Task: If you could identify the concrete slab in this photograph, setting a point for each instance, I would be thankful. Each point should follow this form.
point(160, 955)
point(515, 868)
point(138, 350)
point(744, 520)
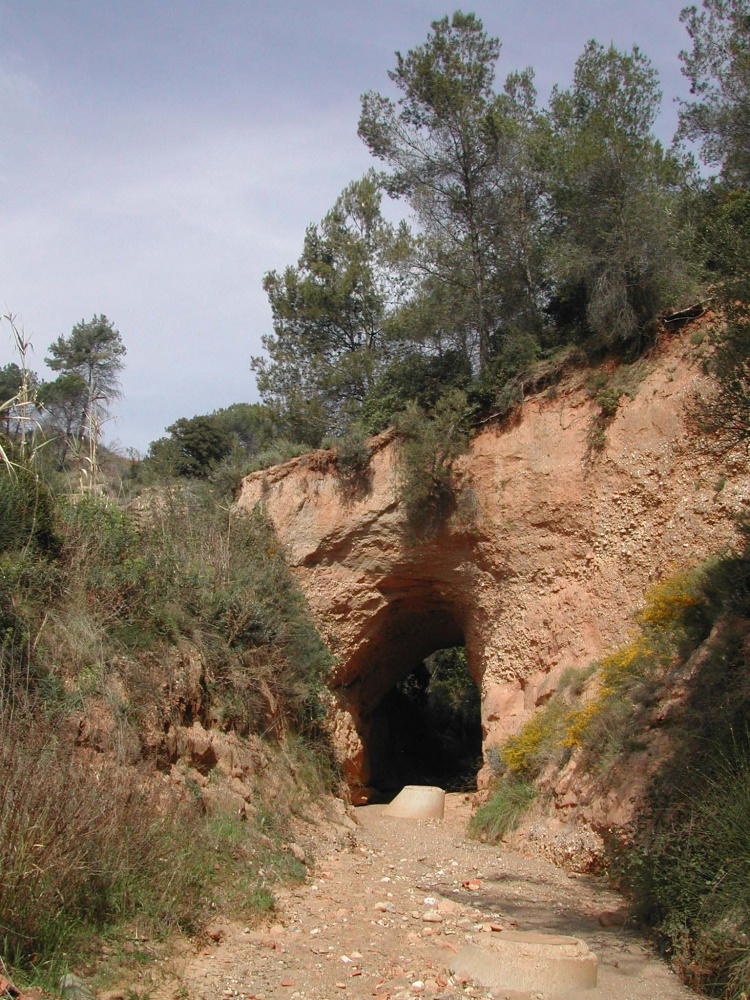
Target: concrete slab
point(417, 802)
point(518, 960)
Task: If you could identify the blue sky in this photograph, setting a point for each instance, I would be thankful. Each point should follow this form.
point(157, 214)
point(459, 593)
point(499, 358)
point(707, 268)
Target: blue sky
point(160, 156)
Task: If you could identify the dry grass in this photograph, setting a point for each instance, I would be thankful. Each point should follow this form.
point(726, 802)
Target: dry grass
point(82, 841)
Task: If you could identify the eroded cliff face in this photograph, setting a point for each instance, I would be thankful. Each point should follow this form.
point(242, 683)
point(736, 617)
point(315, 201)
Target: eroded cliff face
point(545, 574)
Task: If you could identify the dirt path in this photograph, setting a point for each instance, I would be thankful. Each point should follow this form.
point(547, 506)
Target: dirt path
point(383, 916)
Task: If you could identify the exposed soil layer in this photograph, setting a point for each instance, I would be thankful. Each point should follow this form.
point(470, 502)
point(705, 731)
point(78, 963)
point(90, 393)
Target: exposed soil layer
point(384, 913)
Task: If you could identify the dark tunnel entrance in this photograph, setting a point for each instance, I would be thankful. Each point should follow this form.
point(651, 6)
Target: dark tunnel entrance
point(427, 729)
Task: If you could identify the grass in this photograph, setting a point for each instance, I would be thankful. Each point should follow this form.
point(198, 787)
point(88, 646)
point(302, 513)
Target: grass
point(119, 623)
point(502, 812)
point(90, 849)
point(83, 842)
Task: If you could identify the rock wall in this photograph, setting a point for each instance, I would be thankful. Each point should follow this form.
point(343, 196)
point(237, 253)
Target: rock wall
point(545, 574)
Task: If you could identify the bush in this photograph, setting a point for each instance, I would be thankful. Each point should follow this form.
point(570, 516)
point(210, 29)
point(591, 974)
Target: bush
point(81, 844)
point(353, 454)
point(419, 379)
point(427, 452)
point(502, 812)
point(525, 755)
point(88, 846)
point(685, 860)
point(27, 514)
point(691, 876)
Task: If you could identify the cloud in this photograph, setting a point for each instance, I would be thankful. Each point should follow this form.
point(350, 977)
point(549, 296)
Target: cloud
point(158, 159)
point(168, 227)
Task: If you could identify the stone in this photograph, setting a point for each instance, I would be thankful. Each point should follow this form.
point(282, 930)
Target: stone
point(447, 906)
point(297, 852)
point(519, 960)
point(73, 988)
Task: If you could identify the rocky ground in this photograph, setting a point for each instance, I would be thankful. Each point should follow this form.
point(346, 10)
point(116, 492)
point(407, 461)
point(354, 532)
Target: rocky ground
point(384, 913)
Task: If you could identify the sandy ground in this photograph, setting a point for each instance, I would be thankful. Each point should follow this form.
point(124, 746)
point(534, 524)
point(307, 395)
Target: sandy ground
point(383, 915)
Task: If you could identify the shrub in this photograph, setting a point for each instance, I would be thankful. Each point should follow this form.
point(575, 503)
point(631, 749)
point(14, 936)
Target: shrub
point(607, 392)
point(667, 602)
point(81, 844)
point(427, 453)
point(685, 859)
point(502, 812)
point(691, 876)
point(88, 846)
point(27, 514)
point(417, 378)
point(525, 755)
point(353, 454)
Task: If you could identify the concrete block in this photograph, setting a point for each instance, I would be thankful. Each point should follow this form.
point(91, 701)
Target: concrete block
point(518, 960)
point(417, 802)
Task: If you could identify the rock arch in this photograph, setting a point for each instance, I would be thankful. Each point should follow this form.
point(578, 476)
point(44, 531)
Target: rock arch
point(418, 617)
point(546, 576)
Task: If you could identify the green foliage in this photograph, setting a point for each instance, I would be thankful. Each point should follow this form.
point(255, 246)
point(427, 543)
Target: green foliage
point(27, 514)
point(328, 315)
point(607, 391)
point(685, 859)
point(277, 452)
point(353, 454)
point(200, 443)
point(11, 380)
point(434, 725)
point(64, 402)
point(221, 446)
point(524, 756)
point(614, 195)
point(503, 811)
point(90, 846)
point(463, 157)
point(429, 447)
point(718, 68)
point(177, 565)
point(536, 229)
point(78, 848)
point(97, 600)
point(94, 351)
point(691, 876)
point(724, 413)
point(417, 378)
point(607, 398)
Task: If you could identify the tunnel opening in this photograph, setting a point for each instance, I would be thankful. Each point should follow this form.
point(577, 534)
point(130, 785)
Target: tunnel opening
point(427, 728)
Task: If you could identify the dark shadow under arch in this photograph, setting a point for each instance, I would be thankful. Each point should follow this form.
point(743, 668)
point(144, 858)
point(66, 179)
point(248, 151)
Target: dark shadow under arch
point(427, 729)
point(407, 730)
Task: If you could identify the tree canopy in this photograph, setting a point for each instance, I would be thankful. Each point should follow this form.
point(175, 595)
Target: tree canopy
point(455, 148)
point(329, 313)
point(532, 228)
point(718, 68)
point(613, 193)
point(93, 351)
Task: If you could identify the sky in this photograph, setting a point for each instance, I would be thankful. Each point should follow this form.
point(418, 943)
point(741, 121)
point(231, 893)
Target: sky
point(159, 156)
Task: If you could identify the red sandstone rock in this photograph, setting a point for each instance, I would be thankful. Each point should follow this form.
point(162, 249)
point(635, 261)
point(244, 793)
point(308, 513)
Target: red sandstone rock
point(561, 550)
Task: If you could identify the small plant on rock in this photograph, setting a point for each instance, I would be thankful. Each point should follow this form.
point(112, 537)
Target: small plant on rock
point(430, 446)
point(353, 454)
